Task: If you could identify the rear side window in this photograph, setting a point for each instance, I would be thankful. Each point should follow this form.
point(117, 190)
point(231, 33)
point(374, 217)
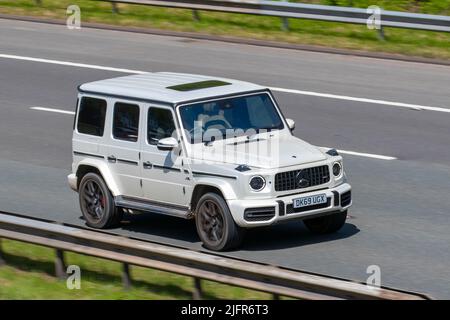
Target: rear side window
point(126, 122)
point(159, 125)
point(91, 117)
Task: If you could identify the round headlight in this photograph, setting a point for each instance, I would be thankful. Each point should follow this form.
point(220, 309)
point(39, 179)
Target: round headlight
point(257, 183)
point(337, 169)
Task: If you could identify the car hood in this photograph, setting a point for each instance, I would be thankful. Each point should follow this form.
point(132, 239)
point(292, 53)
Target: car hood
point(268, 152)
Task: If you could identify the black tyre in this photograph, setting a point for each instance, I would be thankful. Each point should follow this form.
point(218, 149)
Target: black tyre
point(215, 225)
point(97, 203)
point(326, 224)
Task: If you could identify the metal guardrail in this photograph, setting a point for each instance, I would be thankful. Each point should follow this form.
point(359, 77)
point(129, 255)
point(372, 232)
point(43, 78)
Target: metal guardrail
point(260, 277)
point(284, 9)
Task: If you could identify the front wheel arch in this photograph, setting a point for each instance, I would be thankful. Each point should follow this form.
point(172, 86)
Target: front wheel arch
point(200, 190)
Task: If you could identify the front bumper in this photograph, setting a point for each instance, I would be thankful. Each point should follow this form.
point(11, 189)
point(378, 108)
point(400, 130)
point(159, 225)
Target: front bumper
point(257, 213)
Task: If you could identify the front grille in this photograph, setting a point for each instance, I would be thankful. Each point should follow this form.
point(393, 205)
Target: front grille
point(346, 198)
point(303, 178)
point(290, 208)
point(259, 214)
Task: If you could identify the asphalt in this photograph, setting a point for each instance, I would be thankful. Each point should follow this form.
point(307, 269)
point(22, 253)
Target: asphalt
point(235, 40)
point(400, 218)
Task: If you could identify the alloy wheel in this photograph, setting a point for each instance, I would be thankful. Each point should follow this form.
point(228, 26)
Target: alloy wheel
point(211, 222)
point(94, 200)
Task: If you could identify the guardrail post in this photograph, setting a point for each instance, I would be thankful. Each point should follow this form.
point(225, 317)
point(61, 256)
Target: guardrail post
point(126, 277)
point(276, 296)
point(115, 8)
point(38, 2)
point(197, 293)
point(285, 21)
point(60, 267)
point(2, 258)
point(196, 15)
point(380, 34)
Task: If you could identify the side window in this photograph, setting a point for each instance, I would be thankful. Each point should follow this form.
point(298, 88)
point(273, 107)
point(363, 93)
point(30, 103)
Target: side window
point(160, 125)
point(91, 117)
point(126, 122)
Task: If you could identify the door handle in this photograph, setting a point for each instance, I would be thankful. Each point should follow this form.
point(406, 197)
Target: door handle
point(112, 159)
point(147, 165)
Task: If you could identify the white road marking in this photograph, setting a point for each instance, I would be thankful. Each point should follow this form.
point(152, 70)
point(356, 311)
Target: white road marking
point(353, 153)
point(383, 102)
point(294, 91)
point(53, 110)
point(367, 155)
point(71, 64)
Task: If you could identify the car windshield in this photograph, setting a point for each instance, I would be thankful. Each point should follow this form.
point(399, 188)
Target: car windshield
point(230, 117)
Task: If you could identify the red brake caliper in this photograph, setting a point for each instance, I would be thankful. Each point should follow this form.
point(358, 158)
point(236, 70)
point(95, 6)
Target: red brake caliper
point(103, 201)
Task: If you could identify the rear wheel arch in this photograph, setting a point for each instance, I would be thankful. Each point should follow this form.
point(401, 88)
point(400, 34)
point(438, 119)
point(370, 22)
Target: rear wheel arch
point(99, 169)
point(84, 169)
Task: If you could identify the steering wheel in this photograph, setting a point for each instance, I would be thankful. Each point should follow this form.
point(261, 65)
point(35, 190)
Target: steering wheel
point(191, 132)
point(221, 122)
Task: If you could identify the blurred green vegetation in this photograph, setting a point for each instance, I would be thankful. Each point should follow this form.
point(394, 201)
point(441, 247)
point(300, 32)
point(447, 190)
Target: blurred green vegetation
point(339, 35)
point(441, 7)
point(29, 269)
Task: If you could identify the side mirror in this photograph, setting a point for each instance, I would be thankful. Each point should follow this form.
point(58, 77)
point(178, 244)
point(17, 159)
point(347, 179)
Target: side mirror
point(167, 144)
point(291, 124)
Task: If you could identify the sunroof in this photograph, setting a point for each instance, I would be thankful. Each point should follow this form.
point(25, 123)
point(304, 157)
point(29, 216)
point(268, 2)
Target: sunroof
point(199, 85)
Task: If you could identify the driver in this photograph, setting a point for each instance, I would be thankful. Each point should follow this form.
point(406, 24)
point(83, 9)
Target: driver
point(213, 112)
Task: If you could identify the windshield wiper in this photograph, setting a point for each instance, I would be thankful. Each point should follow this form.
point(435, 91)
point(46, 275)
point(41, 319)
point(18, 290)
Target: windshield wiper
point(268, 128)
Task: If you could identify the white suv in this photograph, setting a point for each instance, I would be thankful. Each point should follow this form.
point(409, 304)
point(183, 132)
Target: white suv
point(213, 149)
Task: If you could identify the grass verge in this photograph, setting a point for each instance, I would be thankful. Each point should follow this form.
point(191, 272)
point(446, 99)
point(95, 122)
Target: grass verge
point(29, 270)
point(338, 35)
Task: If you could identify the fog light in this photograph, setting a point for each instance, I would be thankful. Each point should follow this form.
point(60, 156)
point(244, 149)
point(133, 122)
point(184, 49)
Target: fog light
point(337, 169)
point(257, 183)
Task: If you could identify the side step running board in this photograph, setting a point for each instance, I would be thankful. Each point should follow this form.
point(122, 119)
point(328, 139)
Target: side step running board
point(150, 206)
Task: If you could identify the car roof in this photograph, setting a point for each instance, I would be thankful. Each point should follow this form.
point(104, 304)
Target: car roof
point(167, 87)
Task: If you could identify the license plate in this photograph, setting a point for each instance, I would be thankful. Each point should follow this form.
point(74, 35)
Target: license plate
point(310, 200)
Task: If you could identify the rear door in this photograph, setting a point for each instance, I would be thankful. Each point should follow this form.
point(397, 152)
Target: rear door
point(124, 148)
